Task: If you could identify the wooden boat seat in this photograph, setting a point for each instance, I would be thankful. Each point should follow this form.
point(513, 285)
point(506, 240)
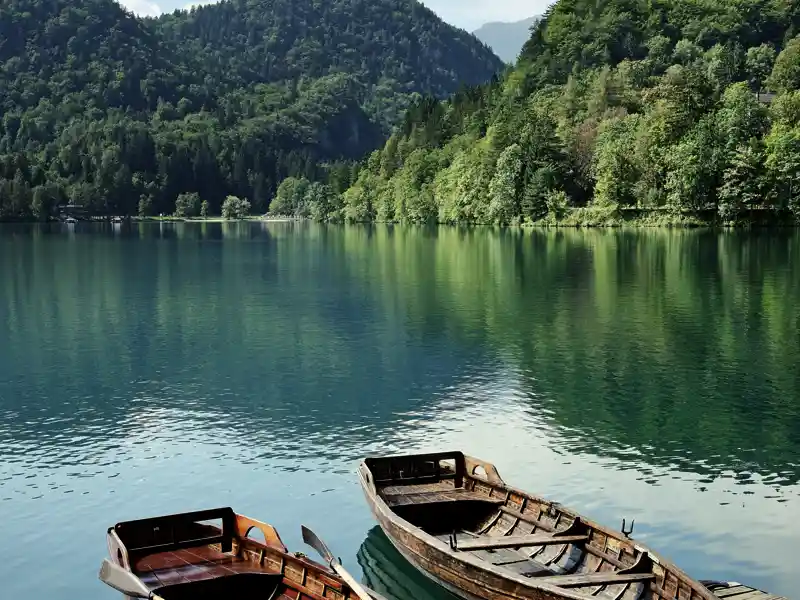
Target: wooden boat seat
point(519, 541)
point(452, 495)
point(589, 579)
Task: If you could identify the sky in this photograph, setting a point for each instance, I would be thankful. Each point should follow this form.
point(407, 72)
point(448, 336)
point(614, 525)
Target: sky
point(467, 14)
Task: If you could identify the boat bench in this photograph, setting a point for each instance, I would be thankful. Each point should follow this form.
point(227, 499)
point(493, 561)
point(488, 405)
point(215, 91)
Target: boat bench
point(519, 541)
point(589, 579)
point(454, 495)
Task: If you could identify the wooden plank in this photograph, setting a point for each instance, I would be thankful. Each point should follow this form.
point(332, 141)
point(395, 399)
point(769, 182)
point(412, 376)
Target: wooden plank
point(415, 480)
point(732, 591)
point(752, 594)
point(519, 541)
point(432, 497)
point(607, 578)
point(527, 518)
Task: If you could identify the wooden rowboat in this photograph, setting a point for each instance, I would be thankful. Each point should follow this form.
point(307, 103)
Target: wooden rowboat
point(216, 554)
point(456, 520)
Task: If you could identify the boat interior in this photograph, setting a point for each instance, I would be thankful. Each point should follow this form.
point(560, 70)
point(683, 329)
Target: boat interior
point(464, 503)
point(217, 554)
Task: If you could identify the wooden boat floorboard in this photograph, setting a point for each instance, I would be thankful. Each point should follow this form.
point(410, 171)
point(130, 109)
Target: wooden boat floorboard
point(182, 566)
point(518, 541)
point(511, 560)
point(607, 578)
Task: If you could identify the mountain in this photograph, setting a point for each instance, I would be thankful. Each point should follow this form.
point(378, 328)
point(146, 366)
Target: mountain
point(506, 38)
point(119, 114)
point(617, 109)
point(391, 47)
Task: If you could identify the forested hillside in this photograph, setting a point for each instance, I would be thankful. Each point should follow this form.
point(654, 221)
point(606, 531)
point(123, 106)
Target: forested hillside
point(616, 107)
point(121, 115)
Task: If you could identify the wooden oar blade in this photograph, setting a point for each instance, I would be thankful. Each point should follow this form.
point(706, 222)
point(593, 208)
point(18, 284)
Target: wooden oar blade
point(312, 539)
point(122, 580)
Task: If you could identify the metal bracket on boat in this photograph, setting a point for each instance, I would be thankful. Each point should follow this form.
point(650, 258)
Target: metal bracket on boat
point(453, 541)
point(627, 533)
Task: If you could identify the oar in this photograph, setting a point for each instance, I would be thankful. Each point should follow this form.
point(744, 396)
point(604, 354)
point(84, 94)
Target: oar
point(312, 539)
point(124, 581)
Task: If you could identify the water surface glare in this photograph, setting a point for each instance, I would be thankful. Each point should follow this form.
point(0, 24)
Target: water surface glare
point(154, 368)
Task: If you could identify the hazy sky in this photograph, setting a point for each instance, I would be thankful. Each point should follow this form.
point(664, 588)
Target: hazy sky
point(469, 14)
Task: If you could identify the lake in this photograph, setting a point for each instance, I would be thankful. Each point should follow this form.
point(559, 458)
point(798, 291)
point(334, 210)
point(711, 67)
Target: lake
point(154, 368)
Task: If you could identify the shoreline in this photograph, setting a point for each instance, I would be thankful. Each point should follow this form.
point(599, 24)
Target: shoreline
point(574, 218)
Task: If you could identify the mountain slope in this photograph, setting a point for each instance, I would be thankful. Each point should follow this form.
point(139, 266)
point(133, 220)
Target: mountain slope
point(121, 114)
point(248, 41)
point(506, 38)
point(616, 108)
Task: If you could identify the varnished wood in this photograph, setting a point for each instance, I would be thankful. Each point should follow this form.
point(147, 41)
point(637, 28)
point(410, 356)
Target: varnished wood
point(486, 540)
point(172, 556)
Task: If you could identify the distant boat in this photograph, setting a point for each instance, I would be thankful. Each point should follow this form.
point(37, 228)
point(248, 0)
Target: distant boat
point(455, 519)
point(183, 556)
point(116, 220)
point(71, 220)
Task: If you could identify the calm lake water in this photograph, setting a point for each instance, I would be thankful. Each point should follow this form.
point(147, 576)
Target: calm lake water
point(158, 368)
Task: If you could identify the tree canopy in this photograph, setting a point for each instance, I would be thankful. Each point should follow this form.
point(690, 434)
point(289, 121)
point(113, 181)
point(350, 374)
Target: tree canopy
point(121, 115)
point(679, 108)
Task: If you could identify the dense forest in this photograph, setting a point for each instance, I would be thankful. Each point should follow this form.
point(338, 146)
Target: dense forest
point(120, 115)
point(669, 110)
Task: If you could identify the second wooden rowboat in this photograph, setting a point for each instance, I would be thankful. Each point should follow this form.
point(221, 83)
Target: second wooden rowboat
point(455, 519)
point(218, 554)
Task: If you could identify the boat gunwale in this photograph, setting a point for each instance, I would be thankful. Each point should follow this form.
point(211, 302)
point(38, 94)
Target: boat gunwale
point(471, 463)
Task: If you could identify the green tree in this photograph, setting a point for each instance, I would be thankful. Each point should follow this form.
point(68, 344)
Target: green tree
point(324, 204)
point(205, 209)
point(741, 182)
point(759, 62)
point(42, 203)
point(686, 52)
point(615, 169)
point(187, 205)
point(783, 167)
point(145, 206)
point(504, 188)
point(235, 208)
point(785, 74)
point(290, 199)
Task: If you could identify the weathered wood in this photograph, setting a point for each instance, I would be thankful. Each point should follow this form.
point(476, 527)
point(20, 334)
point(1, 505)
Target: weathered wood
point(733, 591)
point(740, 591)
point(454, 495)
point(605, 578)
point(527, 518)
point(519, 541)
point(415, 480)
point(177, 550)
point(750, 595)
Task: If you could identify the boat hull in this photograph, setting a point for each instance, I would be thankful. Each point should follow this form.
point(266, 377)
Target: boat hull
point(455, 520)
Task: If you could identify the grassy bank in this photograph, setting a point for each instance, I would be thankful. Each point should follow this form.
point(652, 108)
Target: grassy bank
point(663, 217)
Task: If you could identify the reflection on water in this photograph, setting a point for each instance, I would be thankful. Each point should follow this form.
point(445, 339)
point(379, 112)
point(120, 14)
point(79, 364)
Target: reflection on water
point(155, 368)
point(388, 573)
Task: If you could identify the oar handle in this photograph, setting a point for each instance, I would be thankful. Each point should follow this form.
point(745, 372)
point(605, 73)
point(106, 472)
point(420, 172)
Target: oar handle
point(352, 583)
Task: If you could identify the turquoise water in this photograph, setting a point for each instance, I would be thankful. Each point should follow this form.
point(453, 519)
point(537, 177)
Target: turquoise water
point(157, 368)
